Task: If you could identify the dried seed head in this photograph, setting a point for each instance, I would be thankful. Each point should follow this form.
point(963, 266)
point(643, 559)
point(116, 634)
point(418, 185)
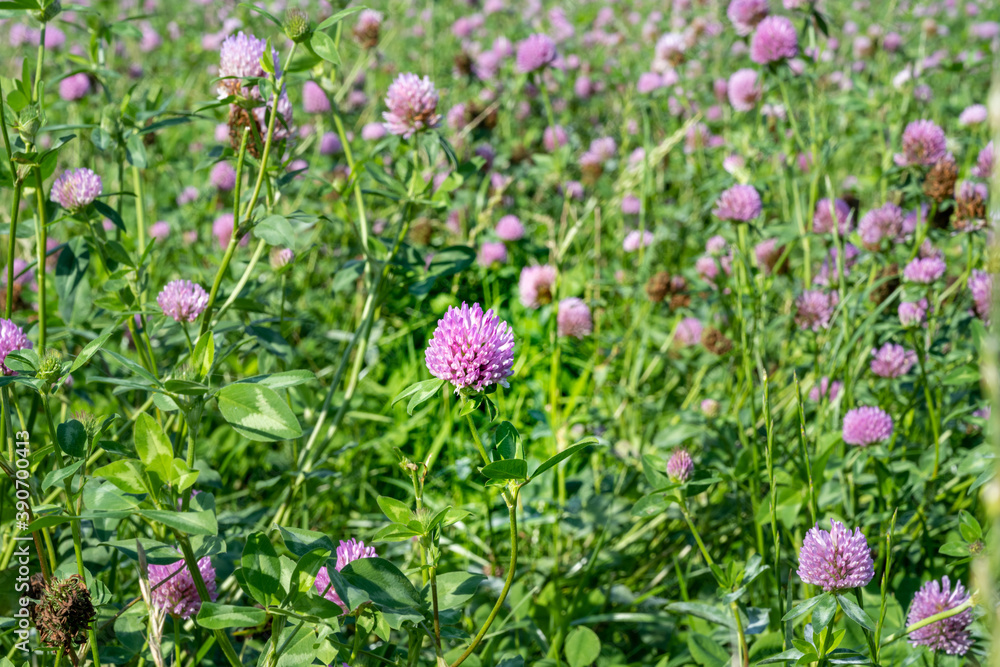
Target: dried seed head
point(63, 613)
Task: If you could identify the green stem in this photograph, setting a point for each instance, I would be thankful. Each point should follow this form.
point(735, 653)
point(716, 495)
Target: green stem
point(872, 648)
point(11, 240)
point(251, 265)
point(434, 602)
point(511, 499)
point(40, 241)
point(233, 239)
point(743, 654)
point(177, 642)
point(948, 613)
point(697, 538)
point(35, 92)
point(477, 439)
point(192, 564)
point(140, 215)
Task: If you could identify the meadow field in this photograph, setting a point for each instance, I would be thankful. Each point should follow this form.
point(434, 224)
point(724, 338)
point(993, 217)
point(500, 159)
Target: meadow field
point(499, 333)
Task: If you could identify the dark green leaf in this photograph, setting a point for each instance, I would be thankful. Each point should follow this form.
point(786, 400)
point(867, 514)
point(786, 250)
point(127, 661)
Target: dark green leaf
point(383, 582)
point(72, 438)
point(258, 413)
point(220, 616)
point(509, 469)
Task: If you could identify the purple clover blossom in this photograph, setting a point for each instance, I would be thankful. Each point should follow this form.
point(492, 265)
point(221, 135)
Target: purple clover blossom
point(75, 189)
point(680, 466)
point(984, 162)
point(744, 89)
point(973, 115)
point(950, 635)
point(924, 270)
point(223, 176)
point(535, 52)
point(491, 253)
point(740, 203)
point(412, 105)
point(814, 309)
point(554, 137)
point(636, 239)
point(74, 87)
point(746, 14)
point(347, 552)
point(330, 144)
point(314, 99)
point(825, 388)
point(471, 349)
point(923, 144)
point(574, 318)
point(774, 40)
point(178, 595)
point(509, 228)
point(536, 285)
point(981, 285)
point(866, 425)
point(892, 361)
point(239, 58)
point(631, 205)
point(823, 219)
point(885, 222)
point(912, 313)
point(836, 559)
point(11, 338)
point(688, 332)
point(182, 300)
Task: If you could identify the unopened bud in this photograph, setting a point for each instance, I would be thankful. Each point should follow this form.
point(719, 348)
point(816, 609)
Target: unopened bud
point(51, 11)
point(28, 122)
point(297, 25)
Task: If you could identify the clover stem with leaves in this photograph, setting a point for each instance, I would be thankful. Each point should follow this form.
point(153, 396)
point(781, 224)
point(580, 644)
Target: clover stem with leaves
point(241, 220)
point(510, 497)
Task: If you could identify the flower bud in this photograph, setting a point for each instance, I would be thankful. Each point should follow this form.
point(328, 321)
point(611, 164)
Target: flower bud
point(28, 122)
point(297, 25)
point(49, 12)
point(50, 367)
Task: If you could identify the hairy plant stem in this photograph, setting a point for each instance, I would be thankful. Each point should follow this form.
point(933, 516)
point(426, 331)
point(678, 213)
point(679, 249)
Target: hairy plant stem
point(192, 564)
point(477, 439)
point(40, 242)
point(11, 242)
point(948, 613)
point(238, 219)
point(234, 237)
point(510, 497)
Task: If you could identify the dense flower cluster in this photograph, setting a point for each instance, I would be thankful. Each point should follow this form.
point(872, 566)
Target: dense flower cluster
point(75, 189)
point(471, 349)
point(835, 559)
point(574, 318)
point(891, 360)
point(412, 105)
point(11, 338)
point(740, 203)
point(347, 552)
point(535, 52)
point(680, 466)
point(173, 587)
point(536, 285)
point(182, 300)
point(950, 635)
point(866, 426)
